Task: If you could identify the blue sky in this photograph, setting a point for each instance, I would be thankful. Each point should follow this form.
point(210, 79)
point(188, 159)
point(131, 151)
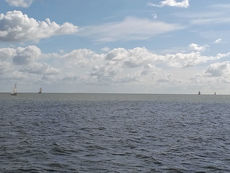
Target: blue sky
point(127, 46)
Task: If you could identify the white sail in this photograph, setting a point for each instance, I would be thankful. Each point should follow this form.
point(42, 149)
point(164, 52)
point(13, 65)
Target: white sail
point(15, 89)
point(14, 92)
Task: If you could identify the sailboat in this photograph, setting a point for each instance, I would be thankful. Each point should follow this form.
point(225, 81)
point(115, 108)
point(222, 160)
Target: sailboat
point(14, 92)
point(40, 91)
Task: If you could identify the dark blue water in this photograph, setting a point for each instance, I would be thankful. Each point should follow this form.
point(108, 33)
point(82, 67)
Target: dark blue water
point(114, 133)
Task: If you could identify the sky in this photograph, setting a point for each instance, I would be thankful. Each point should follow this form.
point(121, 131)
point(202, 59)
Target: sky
point(122, 46)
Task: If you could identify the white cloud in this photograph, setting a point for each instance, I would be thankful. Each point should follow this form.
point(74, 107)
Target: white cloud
point(172, 3)
point(20, 3)
point(205, 17)
point(120, 66)
point(27, 55)
point(196, 47)
point(138, 64)
point(220, 69)
point(6, 53)
point(18, 27)
point(219, 40)
point(40, 69)
point(130, 28)
point(4, 68)
point(182, 60)
point(81, 57)
point(24, 62)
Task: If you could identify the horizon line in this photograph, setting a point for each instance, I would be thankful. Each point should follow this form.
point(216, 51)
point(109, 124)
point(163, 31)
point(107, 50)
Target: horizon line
point(118, 93)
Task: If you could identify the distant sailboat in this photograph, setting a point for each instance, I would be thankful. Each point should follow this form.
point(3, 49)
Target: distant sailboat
point(40, 91)
point(14, 92)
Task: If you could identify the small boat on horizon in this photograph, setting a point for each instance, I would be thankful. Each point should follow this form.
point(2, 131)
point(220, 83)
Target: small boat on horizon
point(40, 91)
point(14, 92)
point(199, 93)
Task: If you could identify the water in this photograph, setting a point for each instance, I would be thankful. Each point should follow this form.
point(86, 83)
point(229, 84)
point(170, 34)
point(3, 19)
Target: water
point(114, 133)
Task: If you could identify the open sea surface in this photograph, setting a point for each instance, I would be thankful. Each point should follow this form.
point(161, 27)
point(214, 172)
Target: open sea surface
point(103, 133)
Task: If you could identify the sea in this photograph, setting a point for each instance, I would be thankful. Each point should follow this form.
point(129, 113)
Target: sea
point(117, 133)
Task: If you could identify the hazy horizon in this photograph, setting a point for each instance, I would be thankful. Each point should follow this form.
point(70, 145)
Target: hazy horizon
point(115, 93)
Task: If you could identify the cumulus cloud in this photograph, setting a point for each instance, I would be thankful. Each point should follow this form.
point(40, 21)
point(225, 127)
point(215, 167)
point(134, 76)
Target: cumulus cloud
point(138, 64)
point(40, 69)
point(20, 3)
point(24, 62)
point(6, 53)
point(172, 3)
point(182, 60)
point(142, 29)
point(115, 66)
point(219, 69)
point(24, 56)
point(18, 27)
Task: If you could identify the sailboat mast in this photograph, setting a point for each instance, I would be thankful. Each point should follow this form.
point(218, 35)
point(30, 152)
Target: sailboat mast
point(15, 88)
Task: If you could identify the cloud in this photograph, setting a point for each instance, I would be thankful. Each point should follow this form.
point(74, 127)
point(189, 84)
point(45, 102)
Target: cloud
point(219, 40)
point(81, 57)
point(20, 3)
point(222, 55)
point(18, 27)
point(172, 3)
point(183, 60)
point(24, 63)
point(205, 17)
point(142, 29)
point(118, 66)
point(40, 69)
point(130, 65)
point(210, 20)
point(4, 68)
point(24, 56)
point(196, 47)
point(114, 66)
point(219, 69)
point(6, 53)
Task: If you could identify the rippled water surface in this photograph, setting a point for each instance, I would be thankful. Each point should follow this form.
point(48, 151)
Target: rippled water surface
point(114, 133)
